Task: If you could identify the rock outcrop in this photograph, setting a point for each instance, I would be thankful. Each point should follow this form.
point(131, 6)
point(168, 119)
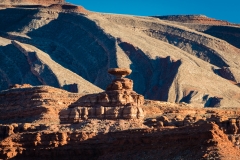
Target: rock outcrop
point(32, 125)
point(204, 141)
point(119, 101)
point(199, 19)
point(27, 104)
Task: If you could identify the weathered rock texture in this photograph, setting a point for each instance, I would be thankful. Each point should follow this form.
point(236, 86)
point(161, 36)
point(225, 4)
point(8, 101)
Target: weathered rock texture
point(67, 47)
point(175, 131)
point(34, 104)
point(200, 142)
point(119, 101)
point(199, 19)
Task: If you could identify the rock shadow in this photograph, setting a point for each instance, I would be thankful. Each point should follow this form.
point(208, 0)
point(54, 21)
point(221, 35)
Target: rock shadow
point(89, 52)
point(17, 18)
point(213, 102)
point(188, 98)
point(192, 47)
point(225, 73)
point(14, 68)
point(227, 33)
point(128, 144)
point(71, 87)
point(152, 77)
point(23, 115)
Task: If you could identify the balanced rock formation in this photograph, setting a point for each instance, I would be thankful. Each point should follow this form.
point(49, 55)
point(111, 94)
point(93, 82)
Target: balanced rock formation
point(119, 101)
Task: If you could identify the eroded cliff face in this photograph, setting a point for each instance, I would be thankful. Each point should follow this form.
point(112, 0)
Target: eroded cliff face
point(66, 46)
point(32, 127)
point(199, 142)
point(34, 104)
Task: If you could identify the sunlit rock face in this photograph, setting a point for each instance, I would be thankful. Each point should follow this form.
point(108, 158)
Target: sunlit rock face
point(119, 101)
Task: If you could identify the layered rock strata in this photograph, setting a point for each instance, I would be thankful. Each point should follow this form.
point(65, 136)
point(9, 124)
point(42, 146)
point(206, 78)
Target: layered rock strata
point(29, 104)
point(190, 142)
point(201, 19)
point(194, 132)
point(118, 101)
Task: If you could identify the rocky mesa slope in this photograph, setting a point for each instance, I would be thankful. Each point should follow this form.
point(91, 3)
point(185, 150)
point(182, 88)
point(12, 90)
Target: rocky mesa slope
point(173, 59)
point(33, 126)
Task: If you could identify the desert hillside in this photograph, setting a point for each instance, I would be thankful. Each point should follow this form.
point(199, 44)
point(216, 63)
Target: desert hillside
point(76, 84)
point(191, 59)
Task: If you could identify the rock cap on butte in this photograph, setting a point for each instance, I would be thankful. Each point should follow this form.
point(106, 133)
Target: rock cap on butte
point(120, 72)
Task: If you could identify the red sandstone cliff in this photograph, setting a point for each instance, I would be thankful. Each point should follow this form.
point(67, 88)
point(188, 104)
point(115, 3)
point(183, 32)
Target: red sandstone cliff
point(31, 128)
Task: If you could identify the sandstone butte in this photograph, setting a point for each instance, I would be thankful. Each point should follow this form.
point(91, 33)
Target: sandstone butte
point(64, 94)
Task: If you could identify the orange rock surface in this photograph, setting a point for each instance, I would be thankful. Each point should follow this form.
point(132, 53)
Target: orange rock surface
point(31, 128)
